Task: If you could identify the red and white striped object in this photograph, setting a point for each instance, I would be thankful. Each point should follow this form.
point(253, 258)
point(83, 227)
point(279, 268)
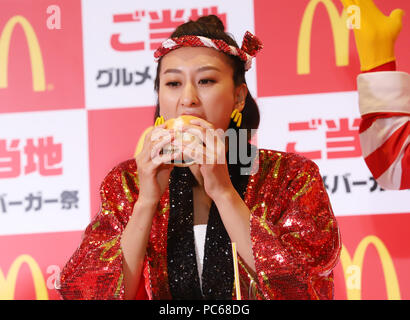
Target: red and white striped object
point(251, 45)
point(384, 101)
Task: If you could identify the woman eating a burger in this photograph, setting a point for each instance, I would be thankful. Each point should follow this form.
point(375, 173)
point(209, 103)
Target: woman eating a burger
point(169, 217)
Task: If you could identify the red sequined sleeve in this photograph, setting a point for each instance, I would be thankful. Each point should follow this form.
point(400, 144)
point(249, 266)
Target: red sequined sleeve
point(296, 241)
point(95, 269)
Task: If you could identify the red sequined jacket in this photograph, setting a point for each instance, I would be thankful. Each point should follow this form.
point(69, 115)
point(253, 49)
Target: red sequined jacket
point(295, 236)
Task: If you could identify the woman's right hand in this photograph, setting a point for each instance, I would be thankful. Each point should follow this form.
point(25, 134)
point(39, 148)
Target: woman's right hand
point(153, 167)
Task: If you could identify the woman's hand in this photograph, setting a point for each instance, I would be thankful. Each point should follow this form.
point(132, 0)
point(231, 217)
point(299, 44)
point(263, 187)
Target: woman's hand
point(153, 167)
point(376, 34)
point(210, 156)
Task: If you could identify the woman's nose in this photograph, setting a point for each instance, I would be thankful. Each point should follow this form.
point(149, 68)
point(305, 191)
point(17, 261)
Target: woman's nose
point(189, 95)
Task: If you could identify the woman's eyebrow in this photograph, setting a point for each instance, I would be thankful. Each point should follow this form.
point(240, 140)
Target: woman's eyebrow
point(206, 68)
point(201, 69)
point(172, 71)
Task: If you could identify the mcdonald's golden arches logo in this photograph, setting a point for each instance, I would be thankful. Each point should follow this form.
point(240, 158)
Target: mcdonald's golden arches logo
point(36, 59)
point(340, 35)
point(352, 269)
point(8, 281)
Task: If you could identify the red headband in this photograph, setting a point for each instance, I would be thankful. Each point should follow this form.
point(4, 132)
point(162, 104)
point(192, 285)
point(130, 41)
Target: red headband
point(251, 45)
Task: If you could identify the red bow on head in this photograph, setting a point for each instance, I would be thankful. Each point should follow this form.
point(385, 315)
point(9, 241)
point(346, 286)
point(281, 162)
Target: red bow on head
point(251, 44)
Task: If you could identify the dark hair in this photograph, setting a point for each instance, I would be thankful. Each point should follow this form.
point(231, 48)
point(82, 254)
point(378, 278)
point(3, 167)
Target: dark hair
point(212, 27)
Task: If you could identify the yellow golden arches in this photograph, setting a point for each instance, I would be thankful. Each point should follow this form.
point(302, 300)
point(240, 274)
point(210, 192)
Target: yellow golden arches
point(159, 120)
point(340, 35)
point(8, 282)
point(125, 184)
point(262, 220)
point(237, 117)
point(305, 188)
point(37, 65)
point(119, 283)
point(107, 246)
point(352, 269)
point(277, 165)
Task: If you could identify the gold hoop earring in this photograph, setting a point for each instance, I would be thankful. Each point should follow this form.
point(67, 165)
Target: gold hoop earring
point(159, 120)
point(237, 117)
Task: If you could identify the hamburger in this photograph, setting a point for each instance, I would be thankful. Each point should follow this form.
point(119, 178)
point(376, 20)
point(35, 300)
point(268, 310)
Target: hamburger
point(181, 139)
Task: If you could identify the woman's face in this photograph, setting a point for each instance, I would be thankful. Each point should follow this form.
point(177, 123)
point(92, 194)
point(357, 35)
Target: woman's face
point(199, 81)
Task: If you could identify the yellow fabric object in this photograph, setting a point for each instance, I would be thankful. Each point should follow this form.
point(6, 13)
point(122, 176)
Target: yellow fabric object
point(376, 34)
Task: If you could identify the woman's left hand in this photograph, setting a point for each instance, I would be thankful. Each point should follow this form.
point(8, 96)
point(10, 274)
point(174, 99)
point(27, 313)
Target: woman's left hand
point(210, 155)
